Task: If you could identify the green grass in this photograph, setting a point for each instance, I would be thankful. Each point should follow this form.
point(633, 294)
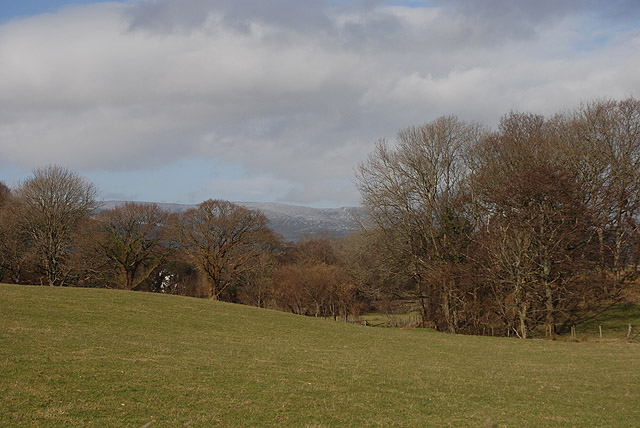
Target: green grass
point(614, 323)
point(87, 357)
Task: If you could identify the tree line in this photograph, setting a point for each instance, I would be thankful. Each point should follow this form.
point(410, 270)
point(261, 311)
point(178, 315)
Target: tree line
point(515, 231)
point(52, 232)
point(526, 227)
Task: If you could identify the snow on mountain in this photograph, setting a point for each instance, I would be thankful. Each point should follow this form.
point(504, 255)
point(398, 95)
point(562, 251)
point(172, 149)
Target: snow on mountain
point(290, 221)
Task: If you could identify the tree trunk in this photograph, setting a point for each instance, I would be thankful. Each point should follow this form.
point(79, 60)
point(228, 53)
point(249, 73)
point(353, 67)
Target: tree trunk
point(602, 263)
point(550, 311)
point(616, 257)
point(523, 319)
point(423, 313)
point(449, 313)
point(636, 256)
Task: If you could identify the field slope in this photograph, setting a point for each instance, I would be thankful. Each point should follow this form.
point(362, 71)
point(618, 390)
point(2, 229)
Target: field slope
point(87, 357)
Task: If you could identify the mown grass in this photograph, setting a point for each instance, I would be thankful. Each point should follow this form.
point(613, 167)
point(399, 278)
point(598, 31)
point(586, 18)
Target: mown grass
point(87, 357)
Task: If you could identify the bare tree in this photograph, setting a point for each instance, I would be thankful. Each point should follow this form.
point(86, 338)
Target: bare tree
point(363, 254)
point(314, 249)
point(16, 248)
point(534, 244)
point(5, 193)
point(316, 289)
point(134, 239)
point(408, 191)
point(223, 239)
point(604, 142)
point(532, 220)
point(86, 264)
point(52, 203)
point(255, 283)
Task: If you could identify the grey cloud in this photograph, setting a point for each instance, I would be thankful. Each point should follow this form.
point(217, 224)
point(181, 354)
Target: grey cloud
point(147, 83)
point(497, 21)
point(516, 10)
point(288, 19)
point(342, 193)
point(167, 15)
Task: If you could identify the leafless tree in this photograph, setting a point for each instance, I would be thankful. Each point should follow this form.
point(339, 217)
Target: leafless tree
point(223, 239)
point(134, 240)
point(364, 255)
point(532, 222)
point(5, 193)
point(408, 191)
point(533, 245)
point(16, 249)
point(316, 289)
point(255, 282)
point(605, 146)
point(52, 203)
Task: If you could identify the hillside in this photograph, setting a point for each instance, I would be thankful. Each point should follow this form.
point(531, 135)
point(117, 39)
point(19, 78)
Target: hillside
point(88, 357)
point(289, 221)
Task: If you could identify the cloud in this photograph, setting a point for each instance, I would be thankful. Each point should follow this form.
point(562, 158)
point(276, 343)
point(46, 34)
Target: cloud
point(521, 18)
point(296, 93)
point(240, 15)
point(320, 193)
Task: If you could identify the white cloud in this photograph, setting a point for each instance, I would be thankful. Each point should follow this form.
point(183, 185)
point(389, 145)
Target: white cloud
point(295, 92)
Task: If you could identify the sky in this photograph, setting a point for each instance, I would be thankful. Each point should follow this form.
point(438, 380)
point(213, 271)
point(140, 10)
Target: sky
point(278, 101)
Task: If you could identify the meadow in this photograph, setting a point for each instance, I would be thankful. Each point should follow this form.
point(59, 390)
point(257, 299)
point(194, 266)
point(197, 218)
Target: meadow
point(74, 357)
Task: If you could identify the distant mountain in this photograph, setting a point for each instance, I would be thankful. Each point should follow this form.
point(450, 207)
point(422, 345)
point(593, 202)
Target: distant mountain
point(290, 221)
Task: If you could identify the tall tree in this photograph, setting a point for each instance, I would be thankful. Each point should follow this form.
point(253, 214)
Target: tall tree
point(255, 283)
point(604, 143)
point(223, 239)
point(408, 191)
point(52, 203)
point(16, 249)
point(5, 192)
point(379, 280)
point(134, 239)
point(532, 217)
point(534, 243)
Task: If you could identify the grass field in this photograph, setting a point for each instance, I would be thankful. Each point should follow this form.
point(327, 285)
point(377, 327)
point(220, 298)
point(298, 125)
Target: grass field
point(87, 357)
point(399, 319)
point(614, 324)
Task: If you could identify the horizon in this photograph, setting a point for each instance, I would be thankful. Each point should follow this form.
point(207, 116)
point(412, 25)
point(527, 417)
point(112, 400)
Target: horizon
point(116, 201)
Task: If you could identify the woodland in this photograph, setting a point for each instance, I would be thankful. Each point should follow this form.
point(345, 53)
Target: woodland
point(518, 231)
